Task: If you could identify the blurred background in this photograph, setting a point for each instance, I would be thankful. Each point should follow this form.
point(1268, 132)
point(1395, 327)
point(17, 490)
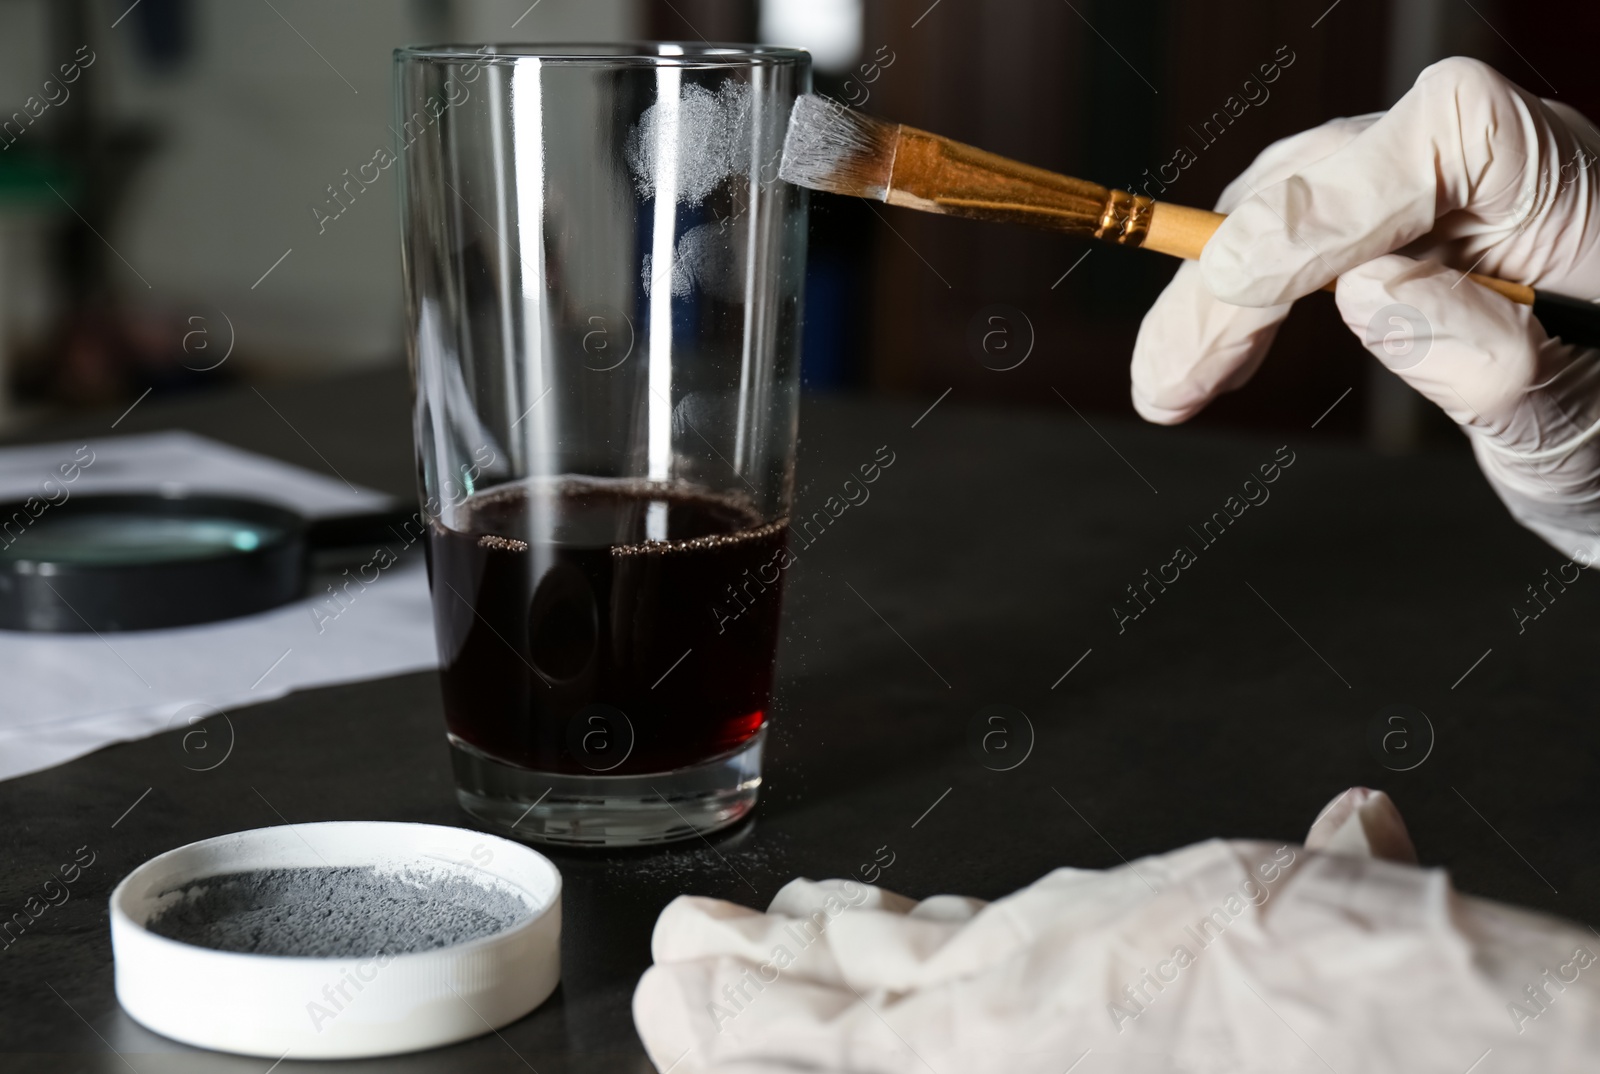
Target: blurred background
point(177, 208)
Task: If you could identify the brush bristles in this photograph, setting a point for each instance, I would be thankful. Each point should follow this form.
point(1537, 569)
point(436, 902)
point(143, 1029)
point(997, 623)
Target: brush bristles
point(837, 149)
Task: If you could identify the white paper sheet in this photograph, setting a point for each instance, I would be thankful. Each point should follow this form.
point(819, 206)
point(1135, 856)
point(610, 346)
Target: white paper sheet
point(69, 694)
point(178, 462)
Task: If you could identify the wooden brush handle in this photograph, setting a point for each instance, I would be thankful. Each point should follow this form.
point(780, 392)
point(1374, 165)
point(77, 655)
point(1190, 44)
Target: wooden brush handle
point(1182, 232)
point(933, 174)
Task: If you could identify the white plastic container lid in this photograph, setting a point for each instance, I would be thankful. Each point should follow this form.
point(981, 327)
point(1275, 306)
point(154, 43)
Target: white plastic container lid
point(337, 1008)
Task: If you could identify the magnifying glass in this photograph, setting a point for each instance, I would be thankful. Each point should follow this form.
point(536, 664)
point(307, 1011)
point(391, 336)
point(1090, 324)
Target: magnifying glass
point(144, 561)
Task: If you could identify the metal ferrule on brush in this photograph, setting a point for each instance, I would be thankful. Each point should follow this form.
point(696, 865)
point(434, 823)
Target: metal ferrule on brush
point(936, 175)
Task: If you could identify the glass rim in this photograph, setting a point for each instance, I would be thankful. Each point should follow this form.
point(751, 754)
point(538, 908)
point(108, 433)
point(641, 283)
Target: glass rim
point(608, 53)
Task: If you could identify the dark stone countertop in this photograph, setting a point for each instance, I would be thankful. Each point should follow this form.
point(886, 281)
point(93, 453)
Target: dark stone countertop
point(983, 567)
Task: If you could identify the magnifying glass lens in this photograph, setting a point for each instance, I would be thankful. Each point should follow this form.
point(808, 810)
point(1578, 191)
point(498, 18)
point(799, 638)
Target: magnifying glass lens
point(116, 539)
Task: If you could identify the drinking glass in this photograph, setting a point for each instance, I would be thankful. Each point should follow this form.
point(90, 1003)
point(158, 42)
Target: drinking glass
point(603, 276)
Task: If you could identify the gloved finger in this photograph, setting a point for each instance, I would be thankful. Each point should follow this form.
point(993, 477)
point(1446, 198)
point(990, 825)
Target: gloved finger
point(800, 897)
point(1469, 351)
point(830, 942)
point(1531, 403)
point(1463, 136)
point(693, 926)
point(1191, 347)
point(835, 932)
point(714, 1017)
point(1289, 155)
point(839, 943)
point(1362, 822)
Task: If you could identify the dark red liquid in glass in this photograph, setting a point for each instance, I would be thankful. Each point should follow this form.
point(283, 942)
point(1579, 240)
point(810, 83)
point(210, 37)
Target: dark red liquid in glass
point(555, 613)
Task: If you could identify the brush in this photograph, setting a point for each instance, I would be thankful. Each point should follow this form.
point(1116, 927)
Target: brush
point(842, 151)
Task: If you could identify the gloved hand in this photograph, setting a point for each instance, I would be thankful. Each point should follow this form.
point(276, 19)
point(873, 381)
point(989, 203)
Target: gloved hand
point(1466, 169)
point(1223, 956)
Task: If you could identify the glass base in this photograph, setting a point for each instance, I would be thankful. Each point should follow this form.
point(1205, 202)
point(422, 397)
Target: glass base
point(610, 811)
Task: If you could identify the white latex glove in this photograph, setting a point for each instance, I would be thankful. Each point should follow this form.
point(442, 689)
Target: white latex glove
point(1293, 960)
point(1468, 169)
point(1364, 823)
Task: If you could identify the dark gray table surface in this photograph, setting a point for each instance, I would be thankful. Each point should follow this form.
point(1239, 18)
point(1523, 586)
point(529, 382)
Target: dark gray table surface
point(983, 567)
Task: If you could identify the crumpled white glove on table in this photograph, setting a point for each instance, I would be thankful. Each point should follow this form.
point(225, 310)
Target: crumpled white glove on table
point(1468, 169)
point(1222, 956)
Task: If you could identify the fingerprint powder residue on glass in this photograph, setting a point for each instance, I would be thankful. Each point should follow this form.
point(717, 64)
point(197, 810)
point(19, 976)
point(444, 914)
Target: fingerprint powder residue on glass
point(708, 131)
point(702, 258)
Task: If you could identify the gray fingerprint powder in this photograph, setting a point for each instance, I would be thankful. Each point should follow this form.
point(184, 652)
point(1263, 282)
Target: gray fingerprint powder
point(704, 258)
point(336, 912)
point(705, 139)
